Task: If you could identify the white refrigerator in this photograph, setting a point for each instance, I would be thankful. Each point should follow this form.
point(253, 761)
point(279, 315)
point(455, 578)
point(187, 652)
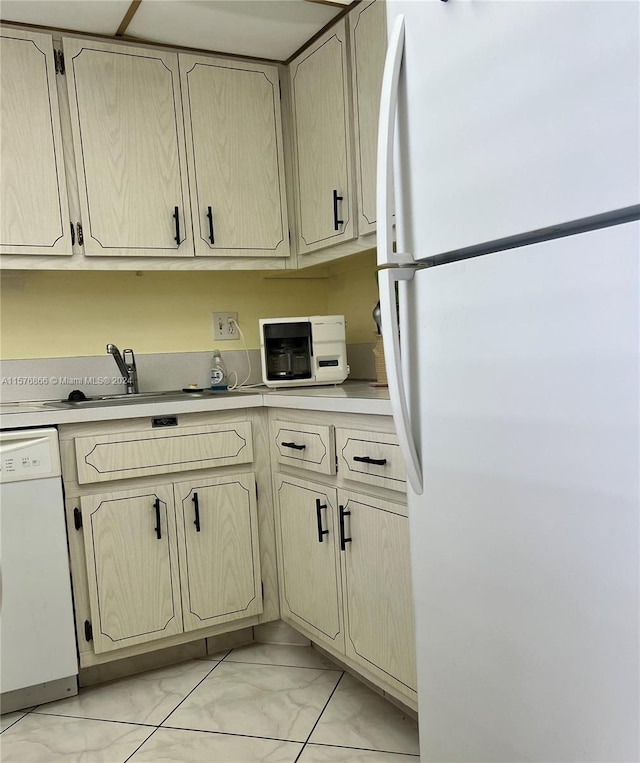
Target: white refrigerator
point(509, 146)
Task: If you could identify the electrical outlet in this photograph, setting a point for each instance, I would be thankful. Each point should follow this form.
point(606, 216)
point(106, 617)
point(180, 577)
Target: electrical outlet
point(223, 326)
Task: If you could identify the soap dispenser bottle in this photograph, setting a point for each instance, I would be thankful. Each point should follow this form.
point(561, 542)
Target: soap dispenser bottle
point(218, 372)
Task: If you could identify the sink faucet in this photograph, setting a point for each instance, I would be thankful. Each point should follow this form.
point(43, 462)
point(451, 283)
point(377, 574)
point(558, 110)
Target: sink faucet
point(127, 366)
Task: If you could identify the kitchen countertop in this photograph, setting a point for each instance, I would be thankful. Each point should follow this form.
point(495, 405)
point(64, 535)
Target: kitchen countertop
point(350, 397)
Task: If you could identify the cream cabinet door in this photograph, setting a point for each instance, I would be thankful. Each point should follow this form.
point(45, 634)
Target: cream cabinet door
point(132, 566)
point(368, 36)
point(235, 158)
point(34, 214)
point(376, 579)
point(310, 590)
point(129, 147)
point(322, 142)
point(219, 555)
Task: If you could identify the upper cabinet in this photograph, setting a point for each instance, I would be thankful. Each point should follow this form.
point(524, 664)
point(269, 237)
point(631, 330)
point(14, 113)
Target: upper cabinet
point(368, 37)
point(129, 149)
point(34, 216)
point(170, 155)
point(323, 174)
point(235, 157)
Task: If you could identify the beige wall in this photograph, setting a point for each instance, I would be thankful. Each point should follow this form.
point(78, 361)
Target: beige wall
point(60, 314)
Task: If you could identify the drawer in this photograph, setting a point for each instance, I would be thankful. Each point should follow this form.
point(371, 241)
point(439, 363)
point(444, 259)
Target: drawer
point(370, 457)
point(137, 454)
point(304, 445)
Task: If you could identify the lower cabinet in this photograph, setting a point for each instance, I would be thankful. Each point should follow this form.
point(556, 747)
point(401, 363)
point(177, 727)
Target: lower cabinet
point(310, 590)
point(345, 576)
point(171, 558)
point(132, 566)
point(376, 580)
point(218, 549)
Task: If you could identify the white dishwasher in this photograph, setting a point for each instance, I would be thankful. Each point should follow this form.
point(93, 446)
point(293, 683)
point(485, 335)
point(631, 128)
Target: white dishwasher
point(38, 658)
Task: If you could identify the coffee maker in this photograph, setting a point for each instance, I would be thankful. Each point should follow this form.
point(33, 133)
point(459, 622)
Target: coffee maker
point(303, 351)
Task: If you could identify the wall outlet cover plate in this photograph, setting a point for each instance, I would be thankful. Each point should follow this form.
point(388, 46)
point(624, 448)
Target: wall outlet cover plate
point(223, 326)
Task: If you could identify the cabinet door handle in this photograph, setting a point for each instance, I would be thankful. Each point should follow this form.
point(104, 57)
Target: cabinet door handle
point(210, 219)
point(292, 445)
point(196, 509)
point(80, 234)
point(336, 222)
point(158, 527)
point(176, 217)
point(73, 234)
point(343, 540)
point(321, 532)
point(369, 460)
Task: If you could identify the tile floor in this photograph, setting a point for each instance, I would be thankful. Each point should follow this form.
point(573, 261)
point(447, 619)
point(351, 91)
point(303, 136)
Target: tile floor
point(261, 702)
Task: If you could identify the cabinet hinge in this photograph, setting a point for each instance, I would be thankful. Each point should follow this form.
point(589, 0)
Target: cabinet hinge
point(77, 518)
point(58, 57)
point(88, 631)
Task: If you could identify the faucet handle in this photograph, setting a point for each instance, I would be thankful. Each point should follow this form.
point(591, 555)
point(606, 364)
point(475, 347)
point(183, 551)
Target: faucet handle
point(132, 372)
point(129, 358)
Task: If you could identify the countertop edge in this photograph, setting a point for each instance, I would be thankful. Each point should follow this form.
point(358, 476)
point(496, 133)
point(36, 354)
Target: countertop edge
point(349, 402)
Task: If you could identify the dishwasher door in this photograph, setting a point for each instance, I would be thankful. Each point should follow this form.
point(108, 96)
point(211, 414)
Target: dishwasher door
point(38, 658)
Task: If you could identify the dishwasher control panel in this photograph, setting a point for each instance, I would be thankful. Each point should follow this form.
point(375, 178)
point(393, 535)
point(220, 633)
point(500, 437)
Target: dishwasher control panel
point(26, 455)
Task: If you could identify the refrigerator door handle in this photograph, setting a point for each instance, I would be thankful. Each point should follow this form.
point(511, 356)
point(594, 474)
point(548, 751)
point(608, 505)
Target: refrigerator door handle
point(387, 280)
point(386, 133)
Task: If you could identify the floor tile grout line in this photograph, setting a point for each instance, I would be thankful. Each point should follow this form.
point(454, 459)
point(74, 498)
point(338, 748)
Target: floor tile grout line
point(144, 741)
point(17, 720)
point(99, 720)
point(188, 694)
point(131, 723)
point(320, 716)
point(364, 749)
point(232, 734)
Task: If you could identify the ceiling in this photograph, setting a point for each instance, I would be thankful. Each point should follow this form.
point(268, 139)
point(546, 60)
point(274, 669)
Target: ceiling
point(272, 29)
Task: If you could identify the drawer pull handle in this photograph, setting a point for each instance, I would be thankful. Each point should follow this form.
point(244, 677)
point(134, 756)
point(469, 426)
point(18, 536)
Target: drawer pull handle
point(196, 508)
point(158, 527)
point(343, 540)
point(369, 460)
point(210, 218)
point(292, 445)
point(321, 532)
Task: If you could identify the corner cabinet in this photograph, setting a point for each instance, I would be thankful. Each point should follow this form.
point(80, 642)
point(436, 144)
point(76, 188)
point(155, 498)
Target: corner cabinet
point(322, 137)
point(235, 157)
point(34, 215)
point(344, 564)
point(310, 591)
point(129, 149)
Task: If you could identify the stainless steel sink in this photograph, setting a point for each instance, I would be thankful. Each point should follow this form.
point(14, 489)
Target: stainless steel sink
point(138, 398)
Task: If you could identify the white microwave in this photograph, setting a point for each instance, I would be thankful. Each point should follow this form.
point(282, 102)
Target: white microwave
point(303, 351)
